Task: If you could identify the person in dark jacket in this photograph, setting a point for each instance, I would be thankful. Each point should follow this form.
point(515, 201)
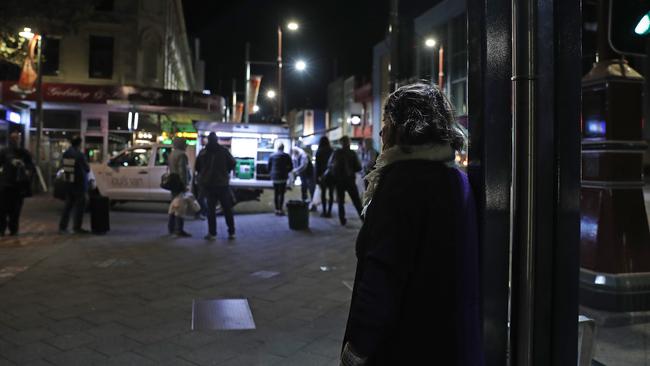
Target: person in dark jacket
point(213, 169)
point(323, 155)
point(417, 251)
point(16, 172)
point(344, 165)
point(280, 166)
point(75, 172)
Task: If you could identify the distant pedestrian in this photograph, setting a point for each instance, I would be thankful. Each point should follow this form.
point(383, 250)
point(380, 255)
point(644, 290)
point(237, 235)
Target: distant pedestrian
point(326, 185)
point(303, 168)
point(280, 166)
point(75, 173)
point(213, 169)
point(16, 172)
point(344, 165)
point(368, 156)
point(179, 165)
point(417, 251)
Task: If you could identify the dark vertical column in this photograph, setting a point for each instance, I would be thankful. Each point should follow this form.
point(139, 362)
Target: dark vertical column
point(489, 97)
point(546, 183)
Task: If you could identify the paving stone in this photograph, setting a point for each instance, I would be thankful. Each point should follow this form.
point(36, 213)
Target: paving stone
point(30, 352)
point(24, 337)
point(305, 358)
point(78, 356)
point(129, 359)
point(69, 341)
point(161, 351)
point(113, 344)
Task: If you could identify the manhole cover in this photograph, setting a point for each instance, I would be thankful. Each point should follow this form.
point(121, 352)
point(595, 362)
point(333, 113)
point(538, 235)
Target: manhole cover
point(223, 314)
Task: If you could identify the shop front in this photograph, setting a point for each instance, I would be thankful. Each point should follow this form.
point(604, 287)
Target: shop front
point(109, 119)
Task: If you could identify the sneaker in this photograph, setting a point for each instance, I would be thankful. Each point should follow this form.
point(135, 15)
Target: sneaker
point(182, 234)
point(81, 231)
point(210, 237)
point(343, 222)
point(231, 236)
point(64, 231)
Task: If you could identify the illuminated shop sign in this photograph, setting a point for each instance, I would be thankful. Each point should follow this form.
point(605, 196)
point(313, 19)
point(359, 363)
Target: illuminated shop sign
point(13, 117)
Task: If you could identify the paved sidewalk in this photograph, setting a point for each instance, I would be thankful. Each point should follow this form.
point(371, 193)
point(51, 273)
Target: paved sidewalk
point(126, 298)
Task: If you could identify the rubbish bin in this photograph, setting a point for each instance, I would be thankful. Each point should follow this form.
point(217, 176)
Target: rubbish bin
point(298, 213)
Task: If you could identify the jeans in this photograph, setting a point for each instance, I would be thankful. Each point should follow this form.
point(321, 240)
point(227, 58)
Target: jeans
point(74, 200)
point(278, 194)
point(349, 186)
point(224, 196)
point(327, 205)
point(11, 203)
point(307, 186)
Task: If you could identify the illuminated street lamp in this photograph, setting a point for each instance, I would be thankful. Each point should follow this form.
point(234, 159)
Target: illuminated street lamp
point(430, 42)
point(293, 26)
point(301, 65)
point(270, 94)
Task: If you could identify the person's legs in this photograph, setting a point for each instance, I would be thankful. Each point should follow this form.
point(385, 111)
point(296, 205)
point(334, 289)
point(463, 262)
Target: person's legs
point(340, 196)
point(276, 196)
point(4, 210)
point(67, 209)
point(354, 196)
point(323, 197)
point(14, 213)
point(304, 188)
point(79, 207)
point(331, 201)
point(225, 198)
point(171, 224)
point(282, 188)
point(212, 212)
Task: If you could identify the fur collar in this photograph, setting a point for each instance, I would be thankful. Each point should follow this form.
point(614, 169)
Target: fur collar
point(435, 152)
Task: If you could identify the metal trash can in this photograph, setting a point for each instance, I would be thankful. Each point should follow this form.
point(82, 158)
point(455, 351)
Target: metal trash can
point(298, 214)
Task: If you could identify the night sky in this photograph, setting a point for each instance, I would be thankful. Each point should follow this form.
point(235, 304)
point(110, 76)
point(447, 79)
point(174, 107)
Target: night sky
point(335, 38)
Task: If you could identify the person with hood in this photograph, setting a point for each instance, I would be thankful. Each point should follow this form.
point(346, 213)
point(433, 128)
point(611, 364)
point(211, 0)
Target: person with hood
point(16, 172)
point(303, 168)
point(417, 251)
point(179, 165)
point(75, 172)
point(323, 155)
point(280, 166)
point(344, 166)
point(212, 170)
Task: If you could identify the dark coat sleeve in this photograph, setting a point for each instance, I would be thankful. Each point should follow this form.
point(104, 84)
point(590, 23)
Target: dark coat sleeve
point(384, 268)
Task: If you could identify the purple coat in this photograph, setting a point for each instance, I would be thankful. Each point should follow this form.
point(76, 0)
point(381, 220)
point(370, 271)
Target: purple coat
point(416, 290)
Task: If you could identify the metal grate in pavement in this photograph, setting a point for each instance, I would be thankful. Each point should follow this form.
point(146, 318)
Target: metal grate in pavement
point(265, 274)
point(222, 314)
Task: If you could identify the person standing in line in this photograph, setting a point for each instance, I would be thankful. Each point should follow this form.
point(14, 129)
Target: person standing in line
point(178, 165)
point(75, 172)
point(419, 233)
point(16, 172)
point(344, 165)
point(213, 169)
point(280, 166)
point(303, 168)
point(368, 157)
point(323, 155)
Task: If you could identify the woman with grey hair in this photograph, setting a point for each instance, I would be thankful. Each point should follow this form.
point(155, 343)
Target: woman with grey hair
point(415, 296)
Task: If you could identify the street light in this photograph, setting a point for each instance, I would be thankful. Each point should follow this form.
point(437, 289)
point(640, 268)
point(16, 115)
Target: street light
point(26, 33)
point(431, 43)
point(256, 108)
point(270, 94)
point(293, 26)
point(301, 65)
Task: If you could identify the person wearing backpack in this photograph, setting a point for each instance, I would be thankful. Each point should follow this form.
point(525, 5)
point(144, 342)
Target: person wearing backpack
point(344, 165)
point(75, 171)
point(16, 172)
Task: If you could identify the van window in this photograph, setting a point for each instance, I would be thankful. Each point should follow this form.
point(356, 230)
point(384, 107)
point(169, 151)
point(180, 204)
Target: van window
point(162, 156)
point(137, 157)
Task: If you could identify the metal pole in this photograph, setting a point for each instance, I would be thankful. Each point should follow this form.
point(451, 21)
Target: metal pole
point(39, 104)
point(441, 72)
point(248, 79)
point(280, 111)
point(233, 100)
